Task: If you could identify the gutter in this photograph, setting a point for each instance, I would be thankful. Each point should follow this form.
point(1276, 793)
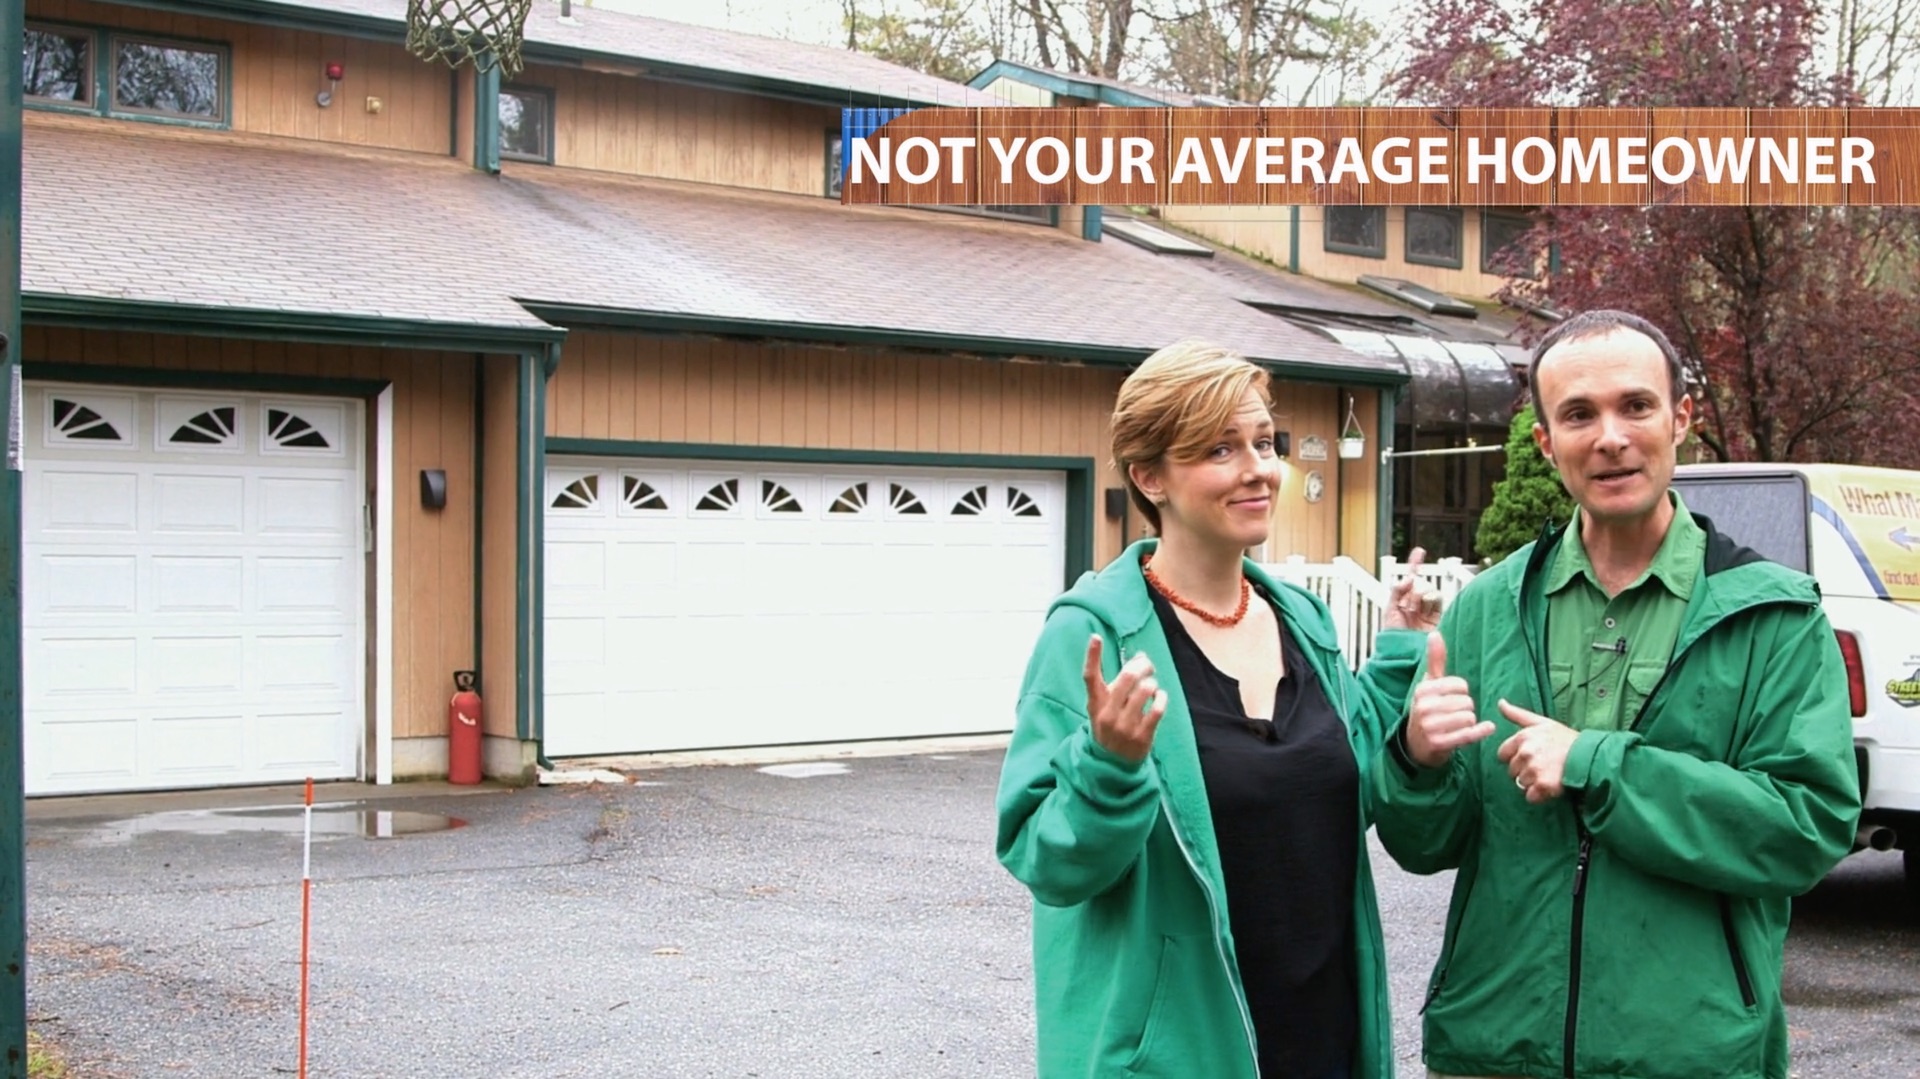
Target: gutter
point(145, 316)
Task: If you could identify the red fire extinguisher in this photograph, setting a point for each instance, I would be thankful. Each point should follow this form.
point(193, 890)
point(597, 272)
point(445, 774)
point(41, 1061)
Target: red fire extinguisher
point(463, 730)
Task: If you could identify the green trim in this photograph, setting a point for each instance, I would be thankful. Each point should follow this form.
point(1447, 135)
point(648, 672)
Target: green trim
point(1293, 238)
point(98, 313)
point(1067, 85)
point(1383, 490)
point(1079, 472)
point(161, 378)
point(577, 315)
point(453, 112)
point(526, 424)
point(479, 522)
point(13, 810)
point(536, 488)
point(1090, 223)
point(486, 120)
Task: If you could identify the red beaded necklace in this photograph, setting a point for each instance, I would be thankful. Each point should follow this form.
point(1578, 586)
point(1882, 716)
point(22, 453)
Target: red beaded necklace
point(1185, 604)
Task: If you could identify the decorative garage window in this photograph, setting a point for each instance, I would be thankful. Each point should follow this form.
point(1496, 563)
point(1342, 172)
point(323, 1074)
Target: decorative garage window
point(304, 429)
point(89, 420)
point(1021, 504)
point(972, 504)
point(777, 498)
point(852, 500)
point(640, 494)
point(902, 499)
point(197, 424)
point(581, 493)
point(721, 497)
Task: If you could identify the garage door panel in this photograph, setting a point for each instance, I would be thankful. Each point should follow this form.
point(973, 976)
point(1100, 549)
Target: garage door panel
point(196, 505)
point(198, 584)
point(192, 590)
point(82, 584)
point(87, 503)
point(68, 669)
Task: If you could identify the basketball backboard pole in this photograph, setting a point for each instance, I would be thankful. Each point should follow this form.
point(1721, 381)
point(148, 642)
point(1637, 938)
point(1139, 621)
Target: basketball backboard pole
point(13, 846)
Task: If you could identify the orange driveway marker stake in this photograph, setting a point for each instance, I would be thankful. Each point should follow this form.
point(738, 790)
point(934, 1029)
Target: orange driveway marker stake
point(306, 917)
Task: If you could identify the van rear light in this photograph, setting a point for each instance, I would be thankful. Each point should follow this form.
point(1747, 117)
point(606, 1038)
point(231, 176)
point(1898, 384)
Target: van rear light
point(1856, 673)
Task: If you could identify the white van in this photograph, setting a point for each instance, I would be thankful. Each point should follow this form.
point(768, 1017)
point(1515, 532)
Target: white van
point(1857, 531)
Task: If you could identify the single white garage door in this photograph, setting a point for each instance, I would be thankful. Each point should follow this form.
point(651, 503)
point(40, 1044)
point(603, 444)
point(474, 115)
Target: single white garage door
point(193, 589)
point(708, 604)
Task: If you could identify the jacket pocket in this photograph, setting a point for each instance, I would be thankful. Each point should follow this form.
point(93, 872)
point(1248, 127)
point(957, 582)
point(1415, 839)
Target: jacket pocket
point(1741, 976)
point(1156, 1008)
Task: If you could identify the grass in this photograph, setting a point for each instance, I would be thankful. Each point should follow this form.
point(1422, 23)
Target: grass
point(43, 1062)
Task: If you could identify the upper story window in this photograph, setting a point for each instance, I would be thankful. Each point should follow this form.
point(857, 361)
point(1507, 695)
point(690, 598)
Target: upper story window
point(1502, 250)
point(526, 124)
point(1356, 230)
point(835, 166)
point(58, 65)
point(145, 76)
point(169, 78)
point(1433, 236)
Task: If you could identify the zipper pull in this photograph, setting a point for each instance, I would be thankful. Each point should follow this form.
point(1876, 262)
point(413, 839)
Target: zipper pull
point(1580, 867)
point(1433, 993)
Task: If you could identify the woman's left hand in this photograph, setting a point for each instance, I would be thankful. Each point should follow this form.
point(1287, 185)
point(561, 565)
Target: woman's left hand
point(1409, 605)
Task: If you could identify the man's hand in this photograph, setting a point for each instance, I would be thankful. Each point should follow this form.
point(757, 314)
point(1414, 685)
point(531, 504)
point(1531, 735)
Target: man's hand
point(1126, 711)
point(1443, 717)
point(1536, 755)
point(1409, 604)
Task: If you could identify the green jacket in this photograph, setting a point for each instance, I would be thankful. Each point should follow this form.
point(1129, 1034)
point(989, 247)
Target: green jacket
point(1134, 965)
point(1635, 926)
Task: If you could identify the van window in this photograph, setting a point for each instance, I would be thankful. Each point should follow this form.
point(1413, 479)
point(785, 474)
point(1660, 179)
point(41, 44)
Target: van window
point(1766, 513)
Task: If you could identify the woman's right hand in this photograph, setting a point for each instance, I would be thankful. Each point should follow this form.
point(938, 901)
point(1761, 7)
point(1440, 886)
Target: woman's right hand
point(1127, 710)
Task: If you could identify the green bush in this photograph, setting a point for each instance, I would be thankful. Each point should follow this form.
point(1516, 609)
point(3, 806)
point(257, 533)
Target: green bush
point(1530, 494)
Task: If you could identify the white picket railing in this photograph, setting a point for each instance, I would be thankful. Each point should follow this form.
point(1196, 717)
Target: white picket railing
point(1358, 600)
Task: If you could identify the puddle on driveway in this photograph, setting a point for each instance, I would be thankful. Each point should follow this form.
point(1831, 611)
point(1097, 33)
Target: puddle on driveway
point(329, 822)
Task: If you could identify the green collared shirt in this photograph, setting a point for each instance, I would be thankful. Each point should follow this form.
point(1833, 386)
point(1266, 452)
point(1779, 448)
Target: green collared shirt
point(1604, 656)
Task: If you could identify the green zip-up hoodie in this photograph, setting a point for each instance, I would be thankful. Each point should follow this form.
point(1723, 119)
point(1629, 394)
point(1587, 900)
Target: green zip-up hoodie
point(1636, 925)
point(1134, 965)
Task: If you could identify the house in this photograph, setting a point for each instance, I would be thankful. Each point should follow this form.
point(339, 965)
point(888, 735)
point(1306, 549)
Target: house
point(345, 372)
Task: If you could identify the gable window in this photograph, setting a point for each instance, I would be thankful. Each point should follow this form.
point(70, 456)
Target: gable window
point(526, 124)
point(169, 78)
point(57, 65)
point(1356, 230)
point(1502, 250)
point(1433, 236)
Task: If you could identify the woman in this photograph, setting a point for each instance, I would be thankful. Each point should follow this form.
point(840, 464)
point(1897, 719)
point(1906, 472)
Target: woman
point(1182, 792)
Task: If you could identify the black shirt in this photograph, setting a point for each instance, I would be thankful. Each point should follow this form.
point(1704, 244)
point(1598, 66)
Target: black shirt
point(1285, 800)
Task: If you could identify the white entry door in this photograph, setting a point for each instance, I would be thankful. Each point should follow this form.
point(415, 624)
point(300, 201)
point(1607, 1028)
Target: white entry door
point(710, 604)
point(193, 605)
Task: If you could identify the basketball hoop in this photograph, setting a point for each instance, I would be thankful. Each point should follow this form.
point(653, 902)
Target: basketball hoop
point(486, 32)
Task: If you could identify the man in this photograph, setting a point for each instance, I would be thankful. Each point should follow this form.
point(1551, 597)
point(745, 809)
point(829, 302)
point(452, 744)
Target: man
point(1634, 743)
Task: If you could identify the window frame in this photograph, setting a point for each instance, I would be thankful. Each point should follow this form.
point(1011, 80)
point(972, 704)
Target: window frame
point(1457, 260)
point(92, 37)
point(104, 42)
point(834, 155)
point(110, 99)
point(547, 96)
point(1328, 243)
point(1487, 253)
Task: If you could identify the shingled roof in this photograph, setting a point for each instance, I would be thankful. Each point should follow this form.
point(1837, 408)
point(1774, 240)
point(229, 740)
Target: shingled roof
point(121, 210)
point(675, 48)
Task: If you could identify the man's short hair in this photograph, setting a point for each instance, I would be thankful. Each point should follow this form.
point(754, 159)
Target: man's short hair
point(1598, 323)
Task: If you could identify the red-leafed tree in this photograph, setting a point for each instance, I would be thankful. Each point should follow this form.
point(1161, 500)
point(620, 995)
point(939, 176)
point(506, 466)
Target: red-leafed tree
point(1799, 326)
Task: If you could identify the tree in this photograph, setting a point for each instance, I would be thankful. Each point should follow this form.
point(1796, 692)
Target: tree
point(1797, 326)
point(1239, 49)
point(1090, 37)
point(1530, 495)
point(943, 38)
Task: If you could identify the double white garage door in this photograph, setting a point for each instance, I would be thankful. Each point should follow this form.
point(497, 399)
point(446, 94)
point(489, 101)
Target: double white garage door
point(192, 589)
point(709, 604)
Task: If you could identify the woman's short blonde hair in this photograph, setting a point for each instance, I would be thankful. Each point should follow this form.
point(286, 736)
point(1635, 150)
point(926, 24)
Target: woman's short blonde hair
point(1174, 405)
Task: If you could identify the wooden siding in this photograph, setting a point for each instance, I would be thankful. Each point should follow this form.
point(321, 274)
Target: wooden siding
point(1263, 233)
point(276, 74)
point(645, 127)
point(433, 549)
point(631, 388)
